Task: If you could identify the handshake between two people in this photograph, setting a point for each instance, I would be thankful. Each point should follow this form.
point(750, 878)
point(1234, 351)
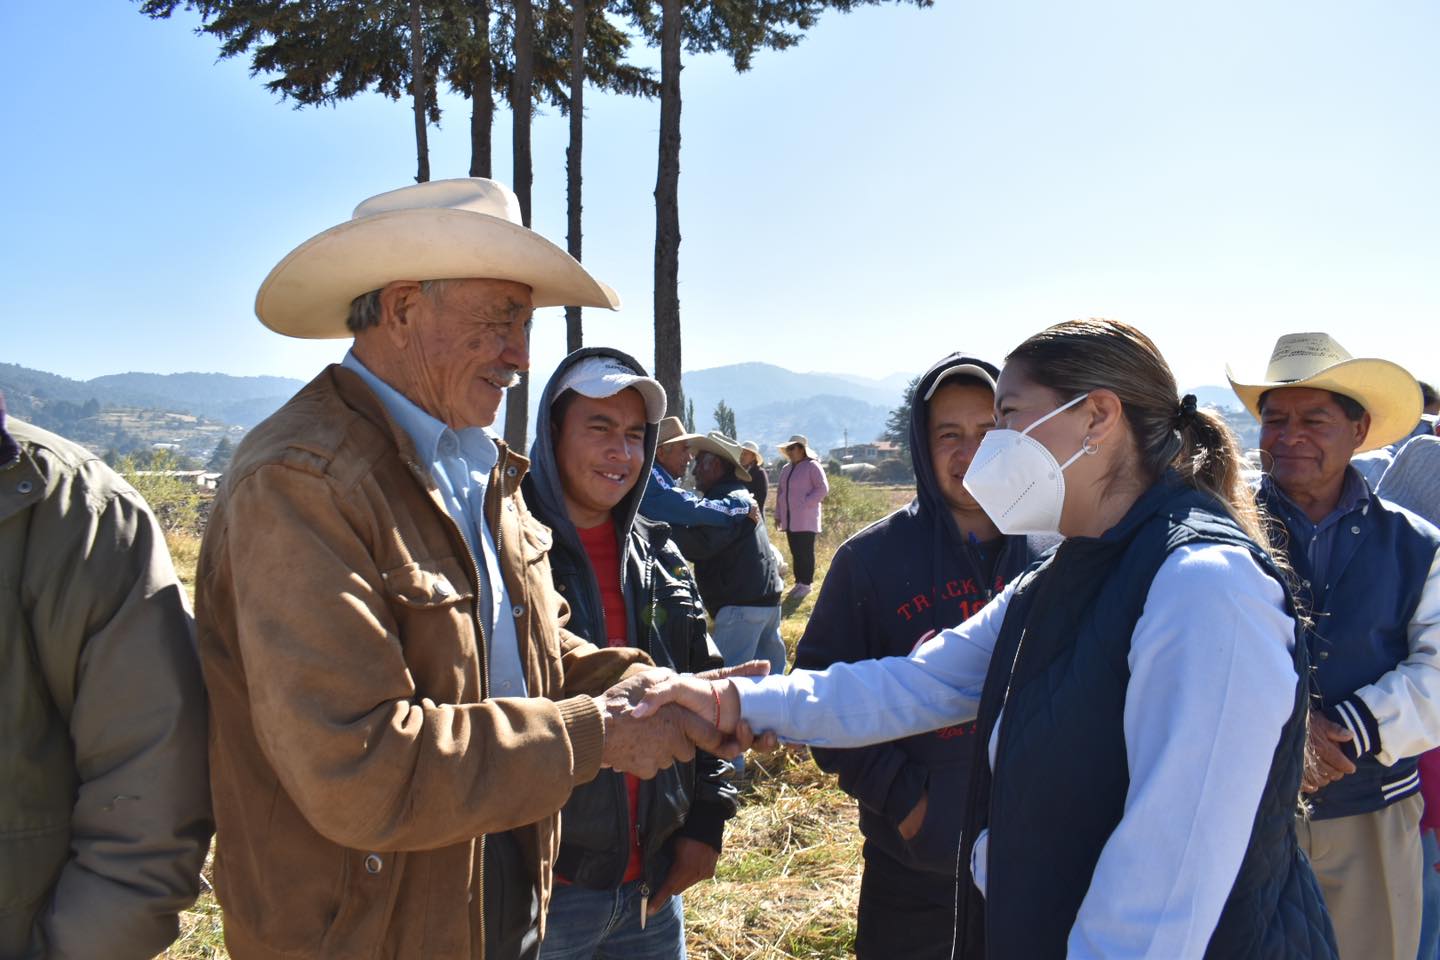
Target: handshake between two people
point(659, 717)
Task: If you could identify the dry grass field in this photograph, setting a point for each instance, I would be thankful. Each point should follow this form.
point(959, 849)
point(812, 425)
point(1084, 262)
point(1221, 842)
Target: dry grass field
point(787, 882)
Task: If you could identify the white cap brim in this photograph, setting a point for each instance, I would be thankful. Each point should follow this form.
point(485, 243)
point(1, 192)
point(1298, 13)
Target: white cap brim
point(968, 370)
point(601, 377)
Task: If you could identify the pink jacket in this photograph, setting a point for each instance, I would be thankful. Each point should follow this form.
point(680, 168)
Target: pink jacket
point(797, 501)
point(1430, 789)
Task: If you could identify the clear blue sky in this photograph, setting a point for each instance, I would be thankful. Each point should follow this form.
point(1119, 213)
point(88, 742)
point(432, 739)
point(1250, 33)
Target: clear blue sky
point(901, 184)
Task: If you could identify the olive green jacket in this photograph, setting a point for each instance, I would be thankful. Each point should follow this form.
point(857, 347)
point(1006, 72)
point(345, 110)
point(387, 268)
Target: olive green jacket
point(104, 799)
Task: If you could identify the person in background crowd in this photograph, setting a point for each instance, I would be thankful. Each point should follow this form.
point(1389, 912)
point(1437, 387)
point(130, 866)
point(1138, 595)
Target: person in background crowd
point(397, 713)
point(801, 490)
point(738, 574)
point(1178, 739)
point(927, 566)
point(105, 808)
point(665, 501)
point(1413, 482)
point(759, 485)
point(1369, 577)
point(627, 585)
point(1372, 464)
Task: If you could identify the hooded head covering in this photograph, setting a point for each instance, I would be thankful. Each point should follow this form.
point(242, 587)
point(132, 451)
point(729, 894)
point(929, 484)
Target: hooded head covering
point(955, 366)
point(544, 492)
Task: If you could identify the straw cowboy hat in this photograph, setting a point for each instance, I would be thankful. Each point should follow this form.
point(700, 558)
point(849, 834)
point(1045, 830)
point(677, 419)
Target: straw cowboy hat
point(440, 230)
point(800, 441)
point(724, 448)
point(754, 448)
point(1386, 390)
point(673, 431)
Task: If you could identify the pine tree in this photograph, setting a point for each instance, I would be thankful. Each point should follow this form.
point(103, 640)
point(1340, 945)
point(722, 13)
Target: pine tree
point(725, 420)
point(739, 29)
point(220, 459)
point(897, 424)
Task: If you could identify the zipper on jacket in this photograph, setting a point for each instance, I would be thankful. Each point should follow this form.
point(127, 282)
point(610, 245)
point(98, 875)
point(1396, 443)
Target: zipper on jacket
point(644, 903)
point(481, 648)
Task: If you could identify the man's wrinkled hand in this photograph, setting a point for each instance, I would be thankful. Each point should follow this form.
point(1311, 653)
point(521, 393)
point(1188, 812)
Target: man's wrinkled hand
point(1325, 761)
point(645, 745)
point(750, 668)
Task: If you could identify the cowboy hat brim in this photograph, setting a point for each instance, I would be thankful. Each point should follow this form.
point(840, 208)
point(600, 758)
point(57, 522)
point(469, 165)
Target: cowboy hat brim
point(308, 293)
point(710, 446)
point(1386, 390)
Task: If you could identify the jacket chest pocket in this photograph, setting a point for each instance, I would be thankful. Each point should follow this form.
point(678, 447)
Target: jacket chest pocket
point(433, 603)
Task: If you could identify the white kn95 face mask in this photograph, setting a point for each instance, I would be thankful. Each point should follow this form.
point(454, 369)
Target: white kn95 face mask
point(1018, 482)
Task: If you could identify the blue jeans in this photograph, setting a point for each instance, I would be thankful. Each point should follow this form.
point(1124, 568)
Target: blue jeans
point(605, 925)
point(750, 633)
point(1429, 896)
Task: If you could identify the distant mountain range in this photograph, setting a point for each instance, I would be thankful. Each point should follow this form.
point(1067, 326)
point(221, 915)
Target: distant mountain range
point(770, 402)
point(239, 401)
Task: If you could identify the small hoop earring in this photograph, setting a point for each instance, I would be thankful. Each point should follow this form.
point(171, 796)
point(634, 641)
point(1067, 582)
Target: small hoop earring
point(1089, 447)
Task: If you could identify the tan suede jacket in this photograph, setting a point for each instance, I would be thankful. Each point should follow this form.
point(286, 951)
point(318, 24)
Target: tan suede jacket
point(356, 760)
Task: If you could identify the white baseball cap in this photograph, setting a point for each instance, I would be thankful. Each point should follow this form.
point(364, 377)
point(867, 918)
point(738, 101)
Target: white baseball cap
point(970, 370)
point(600, 377)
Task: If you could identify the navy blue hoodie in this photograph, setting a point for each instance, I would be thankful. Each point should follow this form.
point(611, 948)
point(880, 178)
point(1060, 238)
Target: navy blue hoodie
point(889, 586)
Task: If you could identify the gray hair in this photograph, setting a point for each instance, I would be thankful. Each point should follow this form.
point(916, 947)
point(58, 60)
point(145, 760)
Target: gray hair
point(365, 309)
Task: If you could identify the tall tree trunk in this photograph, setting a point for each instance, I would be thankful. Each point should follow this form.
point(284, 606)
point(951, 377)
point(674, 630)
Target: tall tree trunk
point(517, 401)
point(521, 91)
point(482, 103)
point(667, 211)
point(417, 87)
point(574, 333)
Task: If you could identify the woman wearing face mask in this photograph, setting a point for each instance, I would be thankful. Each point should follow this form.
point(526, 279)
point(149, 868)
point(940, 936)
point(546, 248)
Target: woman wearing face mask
point(1137, 693)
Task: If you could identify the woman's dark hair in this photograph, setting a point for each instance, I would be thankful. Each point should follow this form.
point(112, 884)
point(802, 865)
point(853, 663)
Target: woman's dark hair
point(1079, 356)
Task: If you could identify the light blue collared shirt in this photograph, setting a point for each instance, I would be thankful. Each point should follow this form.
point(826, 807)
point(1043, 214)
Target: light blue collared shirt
point(460, 463)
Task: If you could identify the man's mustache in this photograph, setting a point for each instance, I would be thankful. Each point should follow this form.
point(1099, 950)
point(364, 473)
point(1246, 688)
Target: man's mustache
point(504, 377)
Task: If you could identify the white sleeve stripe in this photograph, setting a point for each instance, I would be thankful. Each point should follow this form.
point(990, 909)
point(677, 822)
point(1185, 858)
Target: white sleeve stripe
point(1391, 791)
point(1355, 724)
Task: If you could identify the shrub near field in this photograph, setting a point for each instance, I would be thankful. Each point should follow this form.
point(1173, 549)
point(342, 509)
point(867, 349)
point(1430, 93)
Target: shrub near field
point(787, 882)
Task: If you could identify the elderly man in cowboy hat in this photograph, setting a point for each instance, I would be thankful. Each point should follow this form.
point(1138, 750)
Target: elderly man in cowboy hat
point(798, 495)
point(397, 714)
point(738, 573)
point(1368, 571)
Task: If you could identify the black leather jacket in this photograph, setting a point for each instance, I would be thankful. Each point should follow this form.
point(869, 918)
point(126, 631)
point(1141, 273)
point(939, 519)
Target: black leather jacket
point(688, 799)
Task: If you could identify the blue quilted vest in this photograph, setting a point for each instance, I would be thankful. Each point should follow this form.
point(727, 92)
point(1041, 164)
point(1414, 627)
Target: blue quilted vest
point(1063, 693)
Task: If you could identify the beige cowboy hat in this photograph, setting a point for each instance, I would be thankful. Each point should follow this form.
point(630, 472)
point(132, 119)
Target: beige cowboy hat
point(440, 230)
point(724, 448)
point(754, 448)
point(800, 441)
point(673, 431)
point(1386, 390)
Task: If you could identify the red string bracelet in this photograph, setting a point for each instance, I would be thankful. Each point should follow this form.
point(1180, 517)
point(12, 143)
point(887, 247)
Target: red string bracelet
point(715, 692)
